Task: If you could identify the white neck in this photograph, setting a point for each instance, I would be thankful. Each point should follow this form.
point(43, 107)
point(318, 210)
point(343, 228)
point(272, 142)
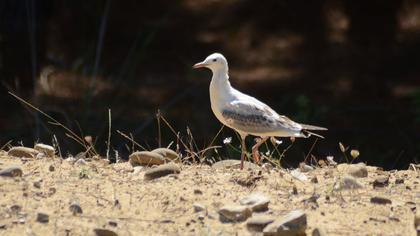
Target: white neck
point(220, 92)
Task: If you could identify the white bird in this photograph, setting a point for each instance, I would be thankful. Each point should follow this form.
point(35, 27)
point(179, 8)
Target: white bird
point(245, 114)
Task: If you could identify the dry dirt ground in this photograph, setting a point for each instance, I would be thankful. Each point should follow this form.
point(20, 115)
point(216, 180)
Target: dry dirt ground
point(118, 198)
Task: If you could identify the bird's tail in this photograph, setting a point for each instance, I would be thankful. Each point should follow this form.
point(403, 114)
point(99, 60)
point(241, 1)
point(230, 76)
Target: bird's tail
point(307, 133)
point(312, 127)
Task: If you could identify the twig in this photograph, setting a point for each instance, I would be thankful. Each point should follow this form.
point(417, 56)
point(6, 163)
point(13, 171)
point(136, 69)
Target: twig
point(54, 121)
point(158, 115)
point(132, 140)
point(6, 144)
point(109, 134)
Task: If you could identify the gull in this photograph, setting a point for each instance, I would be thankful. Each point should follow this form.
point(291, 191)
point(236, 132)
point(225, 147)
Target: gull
point(246, 114)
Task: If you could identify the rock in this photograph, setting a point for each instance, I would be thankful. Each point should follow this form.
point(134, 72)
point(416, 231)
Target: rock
point(380, 200)
point(256, 201)
point(258, 222)
point(294, 223)
point(294, 190)
point(198, 207)
point(297, 174)
point(46, 149)
point(166, 153)
point(235, 164)
point(358, 170)
point(15, 209)
point(51, 168)
point(201, 217)
point(234, 213)
point(104, 232)
point(318, 232)
point(37, 184)
point(330, 160)
point(399, 181)
point(267, 167)
point(75, 208)
point(113, 223)
point(305, 168)
point(42, 218)
point(348, 182)
point(80, 162)
point(71, 159)
point(22, 152)
point(161, 171)
point(137, 170)
point(11, 171)
point(381, 181)
point(146, 158)
point(198, 192)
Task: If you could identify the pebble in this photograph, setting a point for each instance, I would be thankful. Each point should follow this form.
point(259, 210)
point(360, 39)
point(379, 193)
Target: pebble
point(146, 158)
point(234, 213)
point(15, 209)
point(314, 180)
point(294, 190)
point(198, 207)
point(257, 202)
point(166, 153)
point(348, 182)
point(258, 222)
point(318, 232)
point(137, 170)
point(113, 223)
point(37, 184)
point(11, 171)
point(198, 191)
point(417, 223)
point(330, 160)
point(381, 181)
point(75, 208)
point(235, 164)
point(201, 217)
point(51, 168)
point(305, 168)
point(358, 170)
point(42, 218)
point(80, 162)
point(297, 174)
point(294, 223)
point(104, 232)
point(22, 152)
point(46, 149)
point(161, 171)
point(380, 200)
point(399, 181)
point(71, 159)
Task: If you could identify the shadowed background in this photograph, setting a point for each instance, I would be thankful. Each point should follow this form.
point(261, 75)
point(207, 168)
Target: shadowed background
point(351, 66)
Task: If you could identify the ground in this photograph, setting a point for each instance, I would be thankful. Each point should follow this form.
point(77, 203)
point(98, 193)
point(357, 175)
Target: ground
point(117, 197)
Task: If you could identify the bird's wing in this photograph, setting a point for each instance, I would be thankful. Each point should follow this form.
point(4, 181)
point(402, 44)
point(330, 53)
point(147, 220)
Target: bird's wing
point(257, 118)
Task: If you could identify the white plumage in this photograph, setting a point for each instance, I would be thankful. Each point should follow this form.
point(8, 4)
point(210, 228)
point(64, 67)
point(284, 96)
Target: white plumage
point(246, 114)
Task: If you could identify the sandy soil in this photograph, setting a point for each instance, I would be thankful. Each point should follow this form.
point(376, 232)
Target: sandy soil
point(118, 198)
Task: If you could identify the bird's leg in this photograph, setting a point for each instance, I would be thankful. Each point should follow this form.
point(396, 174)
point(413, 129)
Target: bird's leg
point(255, 153)
point(243, 151)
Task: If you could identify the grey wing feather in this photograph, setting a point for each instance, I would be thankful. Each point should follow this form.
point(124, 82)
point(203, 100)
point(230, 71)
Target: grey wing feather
point(257, 118)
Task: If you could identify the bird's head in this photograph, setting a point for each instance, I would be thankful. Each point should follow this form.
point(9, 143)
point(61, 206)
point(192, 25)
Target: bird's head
point(215, 62)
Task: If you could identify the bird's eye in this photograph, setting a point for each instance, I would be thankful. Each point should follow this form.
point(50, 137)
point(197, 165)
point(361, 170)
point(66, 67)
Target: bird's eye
point(214, 60)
